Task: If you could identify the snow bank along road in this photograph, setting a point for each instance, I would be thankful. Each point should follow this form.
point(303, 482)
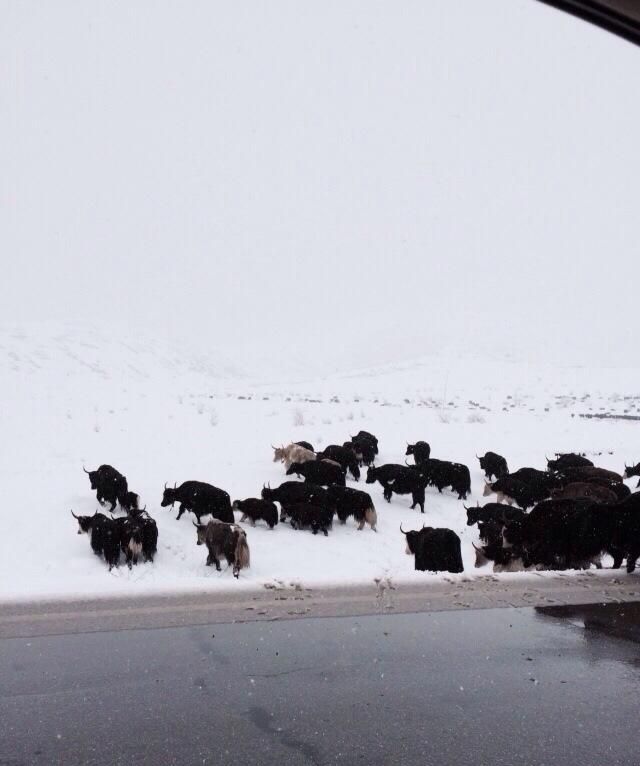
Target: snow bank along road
point(159, 417)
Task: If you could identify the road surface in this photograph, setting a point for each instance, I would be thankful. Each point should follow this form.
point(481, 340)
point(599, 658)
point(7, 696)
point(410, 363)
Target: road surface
point(465, 686)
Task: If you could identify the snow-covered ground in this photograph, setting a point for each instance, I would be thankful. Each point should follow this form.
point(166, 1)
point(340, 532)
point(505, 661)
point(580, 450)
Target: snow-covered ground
point(72, 397)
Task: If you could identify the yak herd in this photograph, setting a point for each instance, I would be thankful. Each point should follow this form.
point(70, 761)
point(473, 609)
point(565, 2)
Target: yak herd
point(564, 517)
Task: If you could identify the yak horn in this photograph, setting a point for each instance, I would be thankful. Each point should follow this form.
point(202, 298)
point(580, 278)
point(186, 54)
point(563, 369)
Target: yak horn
point(85, 470)
point(74, 516)
point(465, 507)
point(194, 524)
point(405, 462)
point(165, 485)
point(476, 547)
point(402, 530)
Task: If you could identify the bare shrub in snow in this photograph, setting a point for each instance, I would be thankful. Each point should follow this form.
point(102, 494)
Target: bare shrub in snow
point(475, 417)
point(349, 415)
point(298, 417)
point(200, 408)
point(213, 418)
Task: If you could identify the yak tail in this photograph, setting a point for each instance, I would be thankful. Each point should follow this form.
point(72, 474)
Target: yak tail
point(371, 517)
point(242, 555)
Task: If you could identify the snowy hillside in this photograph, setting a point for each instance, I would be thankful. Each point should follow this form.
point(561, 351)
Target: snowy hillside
point(73, 398)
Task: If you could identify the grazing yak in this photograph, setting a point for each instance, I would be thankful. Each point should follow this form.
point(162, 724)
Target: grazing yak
point(567, 460)
point(292, 453)
point(434, 549)
point(413, 483)
point(290, 492)
point(421, 452)
point(199, 498)
point(344, 456)
point(225, 540)
point(104, 536)
point(353, 502)
point(443, 473)
point(110, 485)
point(493, 465)
point(492, 512)
point(255, 508)
point(320, 472)
point(318, 518)
point(512, 490)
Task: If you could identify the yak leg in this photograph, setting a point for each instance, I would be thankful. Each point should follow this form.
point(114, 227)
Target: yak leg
point(418, 499)
point(361, 525)
point(632, 557)
point(181, 510)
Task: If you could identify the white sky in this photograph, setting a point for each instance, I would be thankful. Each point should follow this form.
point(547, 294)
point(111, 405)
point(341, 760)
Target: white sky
point(357, 178)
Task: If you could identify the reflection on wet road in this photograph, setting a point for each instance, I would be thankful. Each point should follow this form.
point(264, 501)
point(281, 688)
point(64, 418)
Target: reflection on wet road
point(510, 686)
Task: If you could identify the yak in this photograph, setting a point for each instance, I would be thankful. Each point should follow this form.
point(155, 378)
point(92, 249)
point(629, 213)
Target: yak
point(104, 536)
point(228, 540)
point(292, 453)
point(421, 452)
point(632, 470)
point(364, 437)
point(320, 472)
point(255, 508)
point(588, 490)
point(353, 502)
point(413, 483)
point(344, 456)
point(318, 518)
point(493, 465)
point(567, 460)
point(434, 549)
point(443, 473)
point(110, 485)
point(199, 498)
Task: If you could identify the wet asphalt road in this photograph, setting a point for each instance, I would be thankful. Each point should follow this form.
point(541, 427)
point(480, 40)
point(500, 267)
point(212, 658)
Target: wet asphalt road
point(557, 685)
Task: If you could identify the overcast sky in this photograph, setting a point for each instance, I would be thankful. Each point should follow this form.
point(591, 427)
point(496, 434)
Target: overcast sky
point(441, 173)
